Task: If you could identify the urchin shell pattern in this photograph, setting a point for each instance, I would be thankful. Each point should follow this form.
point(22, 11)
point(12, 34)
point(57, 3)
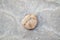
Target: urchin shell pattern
point(29, 21)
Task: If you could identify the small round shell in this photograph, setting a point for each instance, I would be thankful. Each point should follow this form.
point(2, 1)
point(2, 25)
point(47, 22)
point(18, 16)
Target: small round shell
point(29, 21)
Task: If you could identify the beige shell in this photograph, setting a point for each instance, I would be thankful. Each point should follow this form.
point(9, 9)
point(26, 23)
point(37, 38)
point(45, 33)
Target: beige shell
point(29, 21)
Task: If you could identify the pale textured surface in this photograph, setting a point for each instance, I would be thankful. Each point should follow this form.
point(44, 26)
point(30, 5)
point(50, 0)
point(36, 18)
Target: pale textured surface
point(13, 11)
